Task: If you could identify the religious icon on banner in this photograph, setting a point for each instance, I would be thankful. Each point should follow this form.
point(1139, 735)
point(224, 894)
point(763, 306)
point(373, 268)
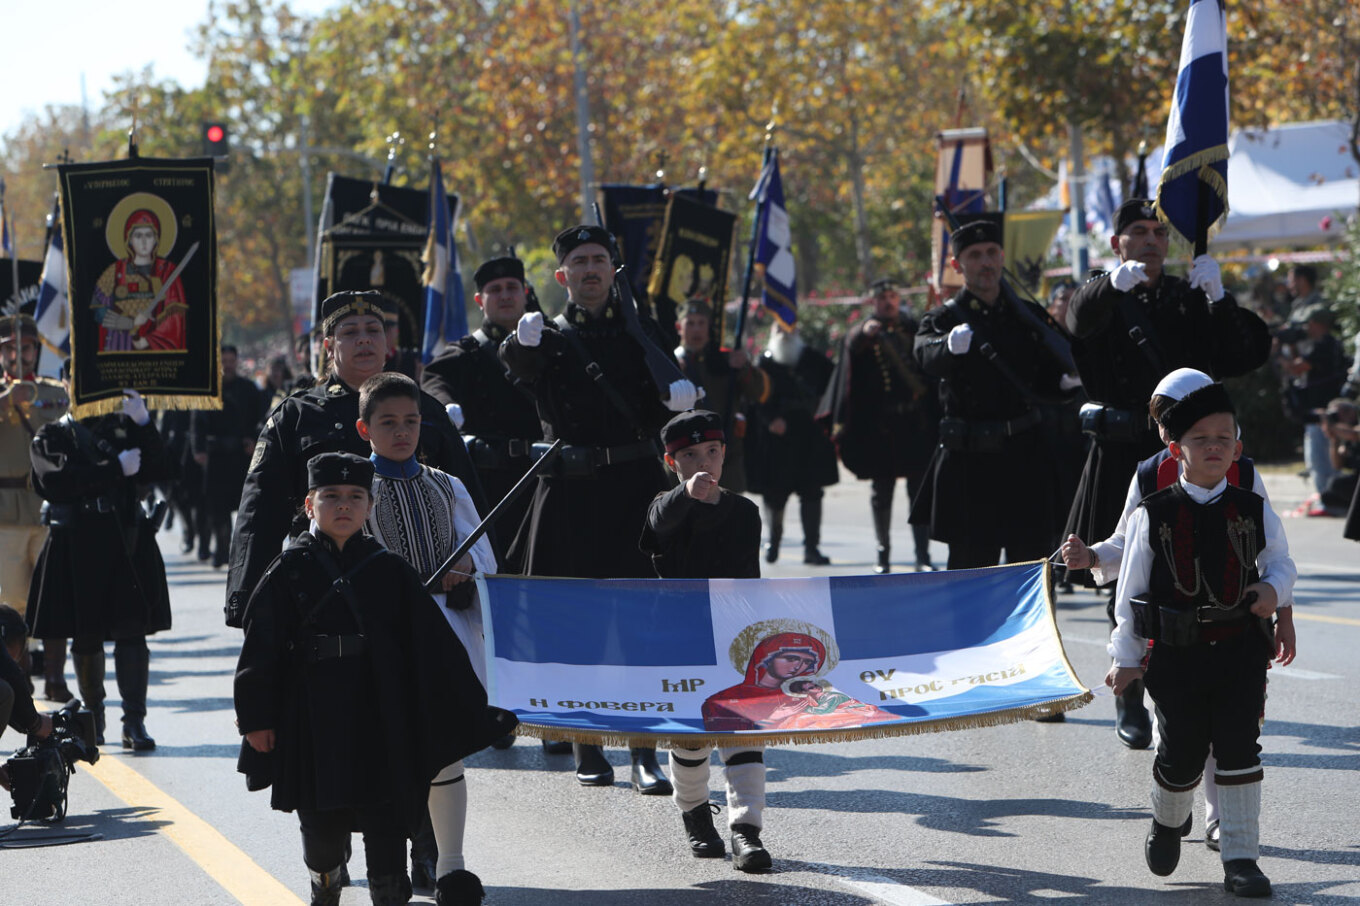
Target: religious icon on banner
point(141, 262)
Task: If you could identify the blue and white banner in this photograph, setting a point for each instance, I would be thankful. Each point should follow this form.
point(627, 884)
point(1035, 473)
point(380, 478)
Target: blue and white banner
point(1196, 156)
point(50, 311)
point(782, 660)
point(774, 245)
point(445, 306)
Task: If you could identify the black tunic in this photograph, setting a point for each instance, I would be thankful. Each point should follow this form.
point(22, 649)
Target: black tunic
point(689, 539)
point(881, 408)
point(221, 434)
point(100, 573)
point(1180, 329)
point(989, 496)
point(365, 729)
point(317, 420)
point(728, 392)
point(803, 457)
point(580, 526)
point(500, 422)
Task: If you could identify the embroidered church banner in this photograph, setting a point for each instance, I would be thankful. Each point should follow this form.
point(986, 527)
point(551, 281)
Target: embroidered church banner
point(779, 660)
point(141, 267)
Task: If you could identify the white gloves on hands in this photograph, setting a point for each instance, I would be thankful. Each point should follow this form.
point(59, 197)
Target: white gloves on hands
point(131, 461)
point(1128, 275)
point(1069, 382)
point(134, 407)
point(1205, 275)
point(683, 396)
point(455, 413)
point(529, 330)
point(960, 339)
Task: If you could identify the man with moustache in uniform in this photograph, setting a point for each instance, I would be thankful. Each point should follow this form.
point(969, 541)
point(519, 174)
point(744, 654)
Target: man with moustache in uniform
point(589, 376)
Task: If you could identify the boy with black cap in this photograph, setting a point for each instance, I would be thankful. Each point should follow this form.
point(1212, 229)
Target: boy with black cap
point(1200, 578)
point(699, 530)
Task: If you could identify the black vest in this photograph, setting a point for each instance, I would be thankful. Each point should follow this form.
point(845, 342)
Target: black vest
point(1203, 555)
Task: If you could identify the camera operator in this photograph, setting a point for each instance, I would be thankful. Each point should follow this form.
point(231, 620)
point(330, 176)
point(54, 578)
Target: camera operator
point(1339, 421)
point(1314, 364)
point(16, 701)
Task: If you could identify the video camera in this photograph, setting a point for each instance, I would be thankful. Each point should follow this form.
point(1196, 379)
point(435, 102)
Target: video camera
point(39, 773)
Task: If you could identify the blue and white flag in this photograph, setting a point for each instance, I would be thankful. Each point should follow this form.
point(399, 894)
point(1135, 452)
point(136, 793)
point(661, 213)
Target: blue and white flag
point(774, 245)
point(781, 660)
point(1196, 156)
point(445, 306)
point(50, 312)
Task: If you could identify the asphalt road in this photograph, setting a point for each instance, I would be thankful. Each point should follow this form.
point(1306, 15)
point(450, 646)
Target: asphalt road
point(1023, 813)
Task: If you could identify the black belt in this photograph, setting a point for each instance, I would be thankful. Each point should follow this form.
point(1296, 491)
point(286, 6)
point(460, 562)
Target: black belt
point(62, 514)
point(1188, 626)
point(325, 647)
point(496, 452)
point(984, 435)
point(575, 461)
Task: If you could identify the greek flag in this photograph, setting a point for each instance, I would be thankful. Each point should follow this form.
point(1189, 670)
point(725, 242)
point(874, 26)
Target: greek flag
point(1196, 157)
point(50, 311)
point(781, 660)
point(445, 311)
point(6, 238)
point(774, 245)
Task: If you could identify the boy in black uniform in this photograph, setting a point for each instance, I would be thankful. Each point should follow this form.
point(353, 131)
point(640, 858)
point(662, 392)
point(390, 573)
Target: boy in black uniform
point(1191, 562)
point(698, 530)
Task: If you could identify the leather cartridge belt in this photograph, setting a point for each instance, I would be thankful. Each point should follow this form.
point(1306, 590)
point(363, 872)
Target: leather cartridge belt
point(497, 452)
point(10, 483)
point(984, 435)
point(62, 514)
point(1189, 626)
point(574, 461)
point(1110, 423)
point(326, 647)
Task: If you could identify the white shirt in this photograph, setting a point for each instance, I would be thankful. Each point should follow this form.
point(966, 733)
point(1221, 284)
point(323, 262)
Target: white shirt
point(1274, 564)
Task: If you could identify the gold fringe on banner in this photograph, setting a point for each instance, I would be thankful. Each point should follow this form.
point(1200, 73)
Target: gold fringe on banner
point(1201, 161)
point(154, 401)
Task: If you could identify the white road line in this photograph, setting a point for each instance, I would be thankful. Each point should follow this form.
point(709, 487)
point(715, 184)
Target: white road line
point(1297, 673)
point(885, 890)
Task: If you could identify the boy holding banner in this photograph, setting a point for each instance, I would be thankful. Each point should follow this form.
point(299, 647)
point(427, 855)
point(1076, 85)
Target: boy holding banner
point(697, 530)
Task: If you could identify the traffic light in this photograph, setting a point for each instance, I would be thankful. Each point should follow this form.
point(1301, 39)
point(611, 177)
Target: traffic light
point(215, 144)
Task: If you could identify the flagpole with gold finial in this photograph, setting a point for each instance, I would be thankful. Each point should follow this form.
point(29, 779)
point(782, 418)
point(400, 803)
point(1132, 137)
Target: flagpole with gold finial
point(768, 156)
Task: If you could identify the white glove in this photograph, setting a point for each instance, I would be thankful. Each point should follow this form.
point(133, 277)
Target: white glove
point(683, 396)
point(529, 330)
point(1069, 382)
point(131, 461)
point(1205, 275)
point(134, 407)
point(455, 412)
point(960, 338)
point(1128, 275)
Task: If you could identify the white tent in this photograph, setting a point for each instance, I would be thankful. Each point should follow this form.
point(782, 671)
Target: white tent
point(1284, 183)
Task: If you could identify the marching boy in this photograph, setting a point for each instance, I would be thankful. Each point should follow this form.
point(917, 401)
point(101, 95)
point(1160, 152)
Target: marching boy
point(422, 514)
point(698, 530)
point(1190, 582)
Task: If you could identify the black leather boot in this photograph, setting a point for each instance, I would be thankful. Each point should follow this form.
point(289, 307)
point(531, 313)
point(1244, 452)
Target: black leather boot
point(592, 768)
point(774, 521)
point(704, 840)
point(1132, 723)
point(648, 778)
point(389, 890)
point(54, 671)
point(1162, 849)
point(883, 534)
point(556, 747)
point(326, 887)
point(132, 665)
point(920, 535)
point(748, 853)
point(1243, 878)
point(459, 888)
point(810, 513)
point(90, 681)
point(424, 856)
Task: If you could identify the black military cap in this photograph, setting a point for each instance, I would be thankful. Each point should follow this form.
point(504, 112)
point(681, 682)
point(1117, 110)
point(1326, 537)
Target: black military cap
point(1132, 211)
point(580, 235)
point(1194, 406)
point(975, 232)
point(496, 269)
point(693, 426)
point(887, 284)
point(338, 468)
point(338, 306)
point(17, 328)
point(696, 306)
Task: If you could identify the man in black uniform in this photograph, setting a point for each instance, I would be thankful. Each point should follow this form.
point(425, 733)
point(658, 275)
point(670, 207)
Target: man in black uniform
point(589, 376)
point(222, 441)
point(321, 419)
point(989, 485)
point(1130, 328)
point(500, 422)
point(884, 414)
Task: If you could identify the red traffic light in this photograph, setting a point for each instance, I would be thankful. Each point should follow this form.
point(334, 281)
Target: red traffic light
point(216, 133)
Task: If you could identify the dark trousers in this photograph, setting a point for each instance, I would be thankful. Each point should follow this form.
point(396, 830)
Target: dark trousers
point(881, 492)
point(325, 839)
point(1209, 694)
point(970, 554)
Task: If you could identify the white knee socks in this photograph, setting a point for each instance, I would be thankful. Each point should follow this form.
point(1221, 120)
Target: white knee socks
point(448, 816)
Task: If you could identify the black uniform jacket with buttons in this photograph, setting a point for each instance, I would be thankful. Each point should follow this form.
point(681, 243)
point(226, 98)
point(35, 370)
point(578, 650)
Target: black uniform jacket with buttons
point(320, 419)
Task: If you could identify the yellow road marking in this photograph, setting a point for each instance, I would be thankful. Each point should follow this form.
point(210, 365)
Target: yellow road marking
point(238, 874)
point(1318, 618)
